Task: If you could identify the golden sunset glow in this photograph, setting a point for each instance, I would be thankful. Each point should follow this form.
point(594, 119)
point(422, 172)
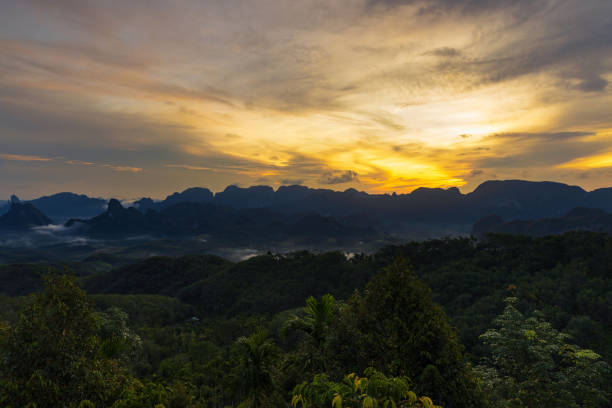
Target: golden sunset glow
point(381, 96)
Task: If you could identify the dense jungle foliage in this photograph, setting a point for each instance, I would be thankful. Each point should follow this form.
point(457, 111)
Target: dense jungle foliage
point(506, 321)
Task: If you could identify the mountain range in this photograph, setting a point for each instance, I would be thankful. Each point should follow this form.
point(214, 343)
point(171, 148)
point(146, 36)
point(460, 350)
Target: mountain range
point(511, 199)
point(241, 226)
point(578, 219)
point(291, 210)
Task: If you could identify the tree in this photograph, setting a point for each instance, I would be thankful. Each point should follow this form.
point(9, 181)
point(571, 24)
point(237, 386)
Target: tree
point(395, 327)
point(117, 339)
point(315, 325)
point(256, 353)
point(374, 391)
point(532, 365)
point(50, 358)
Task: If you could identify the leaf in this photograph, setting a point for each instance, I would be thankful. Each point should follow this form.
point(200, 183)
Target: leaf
point(368, 402)
point(296, 400)
point(427, 402)
point(337, 401)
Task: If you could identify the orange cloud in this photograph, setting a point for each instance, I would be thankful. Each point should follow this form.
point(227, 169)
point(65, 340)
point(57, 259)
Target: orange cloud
point(23, 157)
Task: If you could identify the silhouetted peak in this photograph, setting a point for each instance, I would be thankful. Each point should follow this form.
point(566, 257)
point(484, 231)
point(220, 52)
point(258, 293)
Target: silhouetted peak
point(453, 190)
point(432, 193)
point(352, 191)
point(231, 188)
point(292, 188)
point(114, 206)
point(144, 201)
point(192, 194)
point(14, 199)
point(522, 186)
point(23, 215)
point(261, 189)
point(425, 190)
point(196, 190)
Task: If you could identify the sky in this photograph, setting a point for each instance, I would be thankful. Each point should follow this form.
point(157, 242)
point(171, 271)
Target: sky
point(143, 98)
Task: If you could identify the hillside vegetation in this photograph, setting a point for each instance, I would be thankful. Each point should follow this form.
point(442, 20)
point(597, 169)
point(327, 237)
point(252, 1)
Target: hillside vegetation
point(278, 329)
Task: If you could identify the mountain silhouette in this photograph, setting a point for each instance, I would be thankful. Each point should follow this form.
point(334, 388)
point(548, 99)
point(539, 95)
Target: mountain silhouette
point(578, 219)
point(191, 195)
point(115, 220)
point(242, 225)
point(69, 205)
point(22, 216)
point(509, 199)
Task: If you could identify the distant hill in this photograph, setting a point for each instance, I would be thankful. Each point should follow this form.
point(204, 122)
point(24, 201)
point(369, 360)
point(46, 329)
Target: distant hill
point(22, 216)
point(238, 226)
point(566, 277)
point(578, 219)
point(115, 220)
point(191, 195)
point(265, 284)
point(158, 275)
point(506, 198)
point(69, 205)
point(509, 199)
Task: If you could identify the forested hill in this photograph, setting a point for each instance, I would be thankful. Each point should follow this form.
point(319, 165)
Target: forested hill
point(578, 219)
point(567, 277)
point(198, 330)
point(238, 227)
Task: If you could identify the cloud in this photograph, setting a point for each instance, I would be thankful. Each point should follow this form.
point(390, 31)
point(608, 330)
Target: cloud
point(22, 157)
point(108, 166)
point(538, 137)
point(538, 150)
point(80, 163)
point(338, 177)
point(594, 84)
point(129, 93)
point(464, 6)
point(190, 167)
point(124, 168)
point(446, 52)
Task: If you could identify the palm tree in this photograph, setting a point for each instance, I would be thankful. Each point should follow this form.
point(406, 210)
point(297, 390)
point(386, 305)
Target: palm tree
point(257, 352)
point(315, 324)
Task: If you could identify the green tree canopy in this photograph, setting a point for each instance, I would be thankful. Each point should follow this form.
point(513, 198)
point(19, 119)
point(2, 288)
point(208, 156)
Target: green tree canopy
point(397, 328)
point(374, 390)
point(51, 357)
point(532, 365)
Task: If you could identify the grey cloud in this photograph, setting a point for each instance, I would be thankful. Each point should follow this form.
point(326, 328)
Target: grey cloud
point(97, 66)
point(465, 6)
point(571, 40)
point(521, 151)
point(594, 84)
point(538, 137)
point(447, 52)
point(60, 127)
point(576, 37)
point(338, 178)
